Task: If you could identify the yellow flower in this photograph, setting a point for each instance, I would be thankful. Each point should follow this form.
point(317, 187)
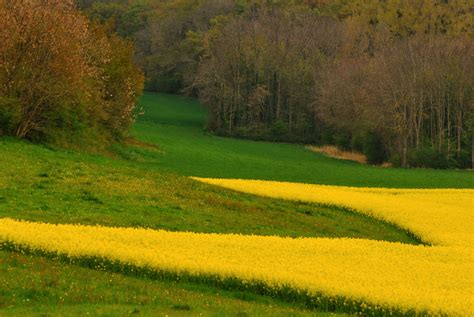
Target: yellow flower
point(437, 279)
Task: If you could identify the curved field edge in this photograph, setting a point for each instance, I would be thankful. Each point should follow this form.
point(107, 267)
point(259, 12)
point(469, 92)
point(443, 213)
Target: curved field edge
point(39, 184)
point(436, 216)
point(41, 286)
point(285, 293)
point(349, 270)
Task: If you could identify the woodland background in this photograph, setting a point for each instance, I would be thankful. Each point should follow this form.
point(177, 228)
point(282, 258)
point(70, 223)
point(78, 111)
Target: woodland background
point(392, 79)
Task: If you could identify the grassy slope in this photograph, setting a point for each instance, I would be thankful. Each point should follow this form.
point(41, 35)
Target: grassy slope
point(37, 286)
point(55, 186)
point(37, 183)
point(176, 124)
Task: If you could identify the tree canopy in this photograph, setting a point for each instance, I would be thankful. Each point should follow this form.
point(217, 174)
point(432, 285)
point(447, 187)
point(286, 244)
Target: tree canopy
point(62, 79)
point(390, 78)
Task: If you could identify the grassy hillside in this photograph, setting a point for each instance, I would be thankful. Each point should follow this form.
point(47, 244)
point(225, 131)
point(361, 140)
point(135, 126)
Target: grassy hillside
point(34, 286)
point(57, 186)
point(146, 186)
point(177, 124)
point(41, 184)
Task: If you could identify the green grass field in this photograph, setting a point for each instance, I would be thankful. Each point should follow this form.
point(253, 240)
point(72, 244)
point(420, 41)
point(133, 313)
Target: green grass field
point(140, 185)
point(177, 124)
point(34, 286)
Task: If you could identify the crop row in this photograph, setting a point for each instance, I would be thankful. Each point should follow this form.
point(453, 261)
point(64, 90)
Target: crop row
point(369, 275)
point(351, 275)
point(437, 216)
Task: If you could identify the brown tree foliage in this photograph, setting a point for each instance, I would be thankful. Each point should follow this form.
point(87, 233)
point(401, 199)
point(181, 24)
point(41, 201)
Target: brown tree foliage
point(376, 79)
point(260, 73)
point(55, 73)
point(416, 93)
point(390, 78)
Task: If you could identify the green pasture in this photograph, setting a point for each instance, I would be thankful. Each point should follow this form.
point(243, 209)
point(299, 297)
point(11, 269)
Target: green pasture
point(144, 184)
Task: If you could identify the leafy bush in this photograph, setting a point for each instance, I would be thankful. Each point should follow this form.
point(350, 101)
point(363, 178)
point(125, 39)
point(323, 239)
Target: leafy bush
point(327, 136)
point(427, 157)
point(250, 132)
point(464, 159)
point(374, 149)
point(358, 141)
point(371, 145)
point(395, 160)
point(79, 85)
point(8, 114)
point(342, 140)
point(278, 131)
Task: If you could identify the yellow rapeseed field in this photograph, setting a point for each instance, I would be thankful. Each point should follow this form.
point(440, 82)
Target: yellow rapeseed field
point(437, 279)
point(380, 273)
point(437, 216)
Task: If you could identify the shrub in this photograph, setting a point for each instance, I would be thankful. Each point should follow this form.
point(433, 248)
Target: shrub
point(327, 137)
point(395, 160)
point(79, 85)
point(427, 157)
point(374, 149)
point(8, 114)
point(371, 145)
point(464, 159)
point(342, 140)
point(358, 141)
point(278, 131)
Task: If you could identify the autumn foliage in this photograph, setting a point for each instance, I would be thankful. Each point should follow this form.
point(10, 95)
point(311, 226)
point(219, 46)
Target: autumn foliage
point(389, 78)
point(62, 79)
point(366, 77)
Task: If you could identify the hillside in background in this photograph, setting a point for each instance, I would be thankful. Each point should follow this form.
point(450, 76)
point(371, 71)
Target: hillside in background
point(177, 126)
point(389, 79)
point(392, 79)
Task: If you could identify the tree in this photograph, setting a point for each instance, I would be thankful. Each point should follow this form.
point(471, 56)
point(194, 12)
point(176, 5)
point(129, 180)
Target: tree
point(261, 69)
point(393, 75)
point(52, 70)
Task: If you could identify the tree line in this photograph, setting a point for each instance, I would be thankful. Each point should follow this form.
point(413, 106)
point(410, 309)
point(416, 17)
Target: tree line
point(63, 79)
point(392, 79)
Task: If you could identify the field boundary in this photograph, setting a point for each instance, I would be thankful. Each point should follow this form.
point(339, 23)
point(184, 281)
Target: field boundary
point(285, 293)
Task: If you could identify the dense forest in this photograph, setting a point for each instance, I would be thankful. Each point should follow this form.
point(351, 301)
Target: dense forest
point(392, 79)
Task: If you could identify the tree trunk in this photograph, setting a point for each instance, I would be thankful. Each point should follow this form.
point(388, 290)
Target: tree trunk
point(472, 151)
point(278, 110)
point(404, 151)
point(459, 133)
